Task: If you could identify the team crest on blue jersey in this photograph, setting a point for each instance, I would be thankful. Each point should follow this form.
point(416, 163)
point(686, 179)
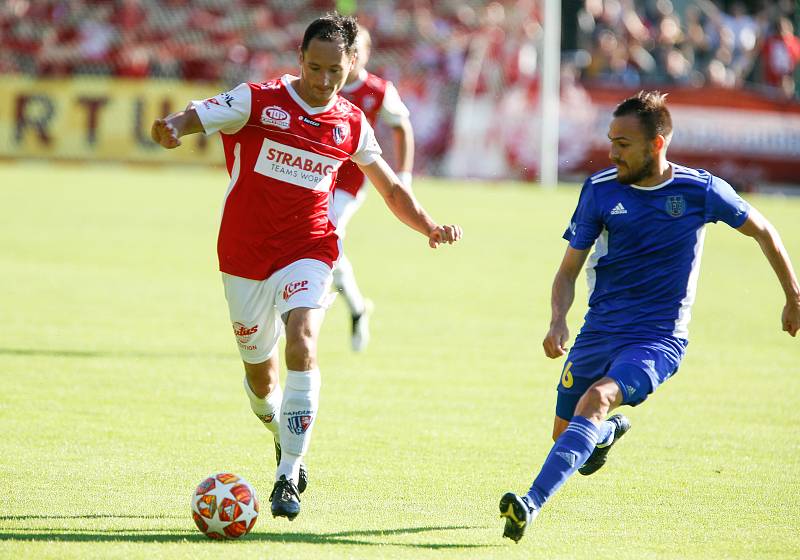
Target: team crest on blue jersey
point(675, 206)
point(339, 134)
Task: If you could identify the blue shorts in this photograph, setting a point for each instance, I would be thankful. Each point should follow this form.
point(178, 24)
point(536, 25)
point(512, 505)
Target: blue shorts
point(638, 363)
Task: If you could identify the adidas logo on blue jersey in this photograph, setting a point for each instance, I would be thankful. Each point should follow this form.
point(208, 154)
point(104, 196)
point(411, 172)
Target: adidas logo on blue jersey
point(618, 209)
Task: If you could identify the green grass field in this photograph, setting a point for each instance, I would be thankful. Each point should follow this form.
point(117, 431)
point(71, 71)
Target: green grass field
point(121, 387)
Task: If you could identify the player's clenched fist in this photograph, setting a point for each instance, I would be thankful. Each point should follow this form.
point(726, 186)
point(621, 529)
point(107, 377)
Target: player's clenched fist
point(555, 342)
point(164, 134)
point(445, 234)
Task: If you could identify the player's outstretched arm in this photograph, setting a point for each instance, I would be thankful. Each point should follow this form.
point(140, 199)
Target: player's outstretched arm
point(759, 228)
point(168, 131)
point(401, 201)
point(563, 294)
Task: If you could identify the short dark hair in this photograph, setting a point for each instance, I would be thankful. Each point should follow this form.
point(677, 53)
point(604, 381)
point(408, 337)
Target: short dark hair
point(650, 107)
point(333, 27)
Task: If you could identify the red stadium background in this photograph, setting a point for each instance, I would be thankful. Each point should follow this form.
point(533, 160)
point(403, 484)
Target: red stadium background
point(81, 79)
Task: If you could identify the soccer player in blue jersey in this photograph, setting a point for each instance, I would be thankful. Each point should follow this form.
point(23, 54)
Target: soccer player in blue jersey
point(646, 219)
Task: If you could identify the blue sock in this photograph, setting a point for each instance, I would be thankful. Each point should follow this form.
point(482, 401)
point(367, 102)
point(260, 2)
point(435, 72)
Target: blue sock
point(606, 434)
point(569, 452)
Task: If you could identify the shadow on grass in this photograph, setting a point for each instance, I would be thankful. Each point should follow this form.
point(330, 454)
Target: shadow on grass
point(84, 354)
point(353, 538)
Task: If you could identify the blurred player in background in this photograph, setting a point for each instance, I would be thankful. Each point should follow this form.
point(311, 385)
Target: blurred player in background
point(377, 98)
point(284, 141)
point(646, 219)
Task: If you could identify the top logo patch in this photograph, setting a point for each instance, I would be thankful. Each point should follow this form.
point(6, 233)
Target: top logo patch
point(275, 116)
point(675, 206)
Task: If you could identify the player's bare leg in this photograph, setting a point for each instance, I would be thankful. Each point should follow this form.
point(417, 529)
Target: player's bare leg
point(263, 388)
point(299, 406)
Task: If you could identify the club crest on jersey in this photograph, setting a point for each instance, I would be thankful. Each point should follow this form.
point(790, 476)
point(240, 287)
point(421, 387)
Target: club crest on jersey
point(299, 422)
point(675, 206)
point(275, 116)
point(339, 134)
point(244, 333)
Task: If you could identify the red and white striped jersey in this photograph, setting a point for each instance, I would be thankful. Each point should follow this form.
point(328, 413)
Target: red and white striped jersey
point(377, 98)
point(283, 156)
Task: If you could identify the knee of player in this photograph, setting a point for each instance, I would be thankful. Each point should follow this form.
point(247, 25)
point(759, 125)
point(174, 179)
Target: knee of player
point(596, 399)
point(301, 347)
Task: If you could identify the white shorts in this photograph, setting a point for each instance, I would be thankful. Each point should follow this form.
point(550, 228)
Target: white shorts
point(258, 308)
point(344, 206)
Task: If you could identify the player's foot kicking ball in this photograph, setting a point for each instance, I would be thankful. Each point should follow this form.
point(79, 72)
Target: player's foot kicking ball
point(598, 457)
point(518, 513)
point(285, 499)
point(303, 482)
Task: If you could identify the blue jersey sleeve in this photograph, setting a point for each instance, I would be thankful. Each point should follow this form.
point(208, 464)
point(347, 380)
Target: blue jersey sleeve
point(722, 203)
point(586, 223)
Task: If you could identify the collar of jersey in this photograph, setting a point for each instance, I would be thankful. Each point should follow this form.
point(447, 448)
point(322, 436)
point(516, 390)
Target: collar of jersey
point(299, 100)
point(661, 185)
point(362, 77)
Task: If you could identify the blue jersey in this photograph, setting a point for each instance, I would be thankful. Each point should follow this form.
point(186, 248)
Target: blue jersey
point(648, 242)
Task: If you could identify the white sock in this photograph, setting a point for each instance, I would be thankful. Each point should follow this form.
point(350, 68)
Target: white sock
point(298, 412)
point(345, 281)
point(268, 409)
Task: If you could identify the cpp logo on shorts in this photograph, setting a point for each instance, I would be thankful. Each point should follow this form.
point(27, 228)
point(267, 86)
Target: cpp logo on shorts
point(243, 333)
point(275, 116)
point(299, 422)
point(292, 288)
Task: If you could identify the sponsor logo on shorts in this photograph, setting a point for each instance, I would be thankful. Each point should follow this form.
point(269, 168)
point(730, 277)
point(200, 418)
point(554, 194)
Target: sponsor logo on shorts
point(266, 418)
point(300, 421)
point(292, 288)
point(244, 333)
point(339, 134)
point(275, 116)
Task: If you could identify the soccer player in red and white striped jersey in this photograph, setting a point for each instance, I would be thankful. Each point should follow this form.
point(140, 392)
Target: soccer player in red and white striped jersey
point(377, 98)
point(285, 140)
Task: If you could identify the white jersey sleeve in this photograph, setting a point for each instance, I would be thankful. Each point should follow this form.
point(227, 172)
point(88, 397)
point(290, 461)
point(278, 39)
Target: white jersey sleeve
point(368, 149)
point(227, 112)
point(393, 110)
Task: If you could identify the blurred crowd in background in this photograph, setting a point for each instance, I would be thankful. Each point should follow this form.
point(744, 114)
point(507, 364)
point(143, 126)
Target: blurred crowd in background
point(622, 41)
point(430, 48)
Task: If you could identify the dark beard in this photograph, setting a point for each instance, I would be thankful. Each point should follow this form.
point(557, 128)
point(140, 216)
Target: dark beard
point(647, 169)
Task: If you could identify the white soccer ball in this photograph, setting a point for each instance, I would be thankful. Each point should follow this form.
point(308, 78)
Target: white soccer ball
point(224, 506)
